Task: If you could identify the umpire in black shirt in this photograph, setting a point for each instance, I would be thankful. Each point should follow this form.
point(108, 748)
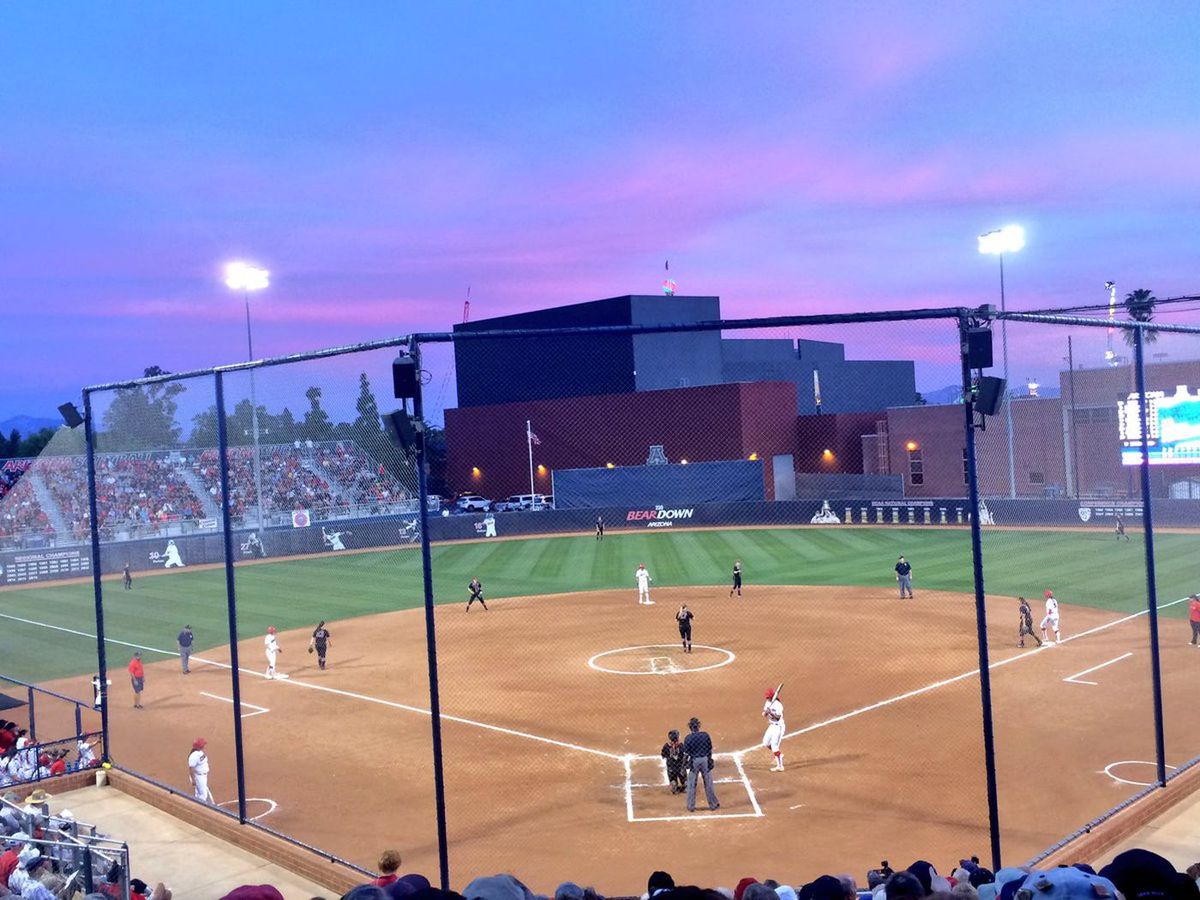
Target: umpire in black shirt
point(698, 746)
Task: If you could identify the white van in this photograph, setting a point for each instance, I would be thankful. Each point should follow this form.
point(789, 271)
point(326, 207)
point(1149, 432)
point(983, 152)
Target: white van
point(522, 501)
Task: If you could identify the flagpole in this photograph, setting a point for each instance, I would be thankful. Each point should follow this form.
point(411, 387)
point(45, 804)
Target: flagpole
point(529, 443)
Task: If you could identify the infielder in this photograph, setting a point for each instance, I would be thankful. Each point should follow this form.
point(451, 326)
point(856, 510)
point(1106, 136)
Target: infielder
point(773, 713)
point(737, 578)
point(1051, 619)
point(198, 770)
point(476, 590)
point(643, 584)
point(272, 648)
point(320, 642)
point(1025, 625)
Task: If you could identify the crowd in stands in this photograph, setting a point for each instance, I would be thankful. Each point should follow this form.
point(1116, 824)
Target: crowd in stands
point(142, 492)
point(1132, 875)
point(20, 513)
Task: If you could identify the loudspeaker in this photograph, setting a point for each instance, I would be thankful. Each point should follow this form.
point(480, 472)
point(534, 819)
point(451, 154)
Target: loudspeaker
point(404, 377)
point(989, 395)
point(400, 429)
point(979, 348)
point(70, 415)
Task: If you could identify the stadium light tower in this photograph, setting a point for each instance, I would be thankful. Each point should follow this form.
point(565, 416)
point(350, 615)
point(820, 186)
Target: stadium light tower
point(244, 277)
point(1008, 239)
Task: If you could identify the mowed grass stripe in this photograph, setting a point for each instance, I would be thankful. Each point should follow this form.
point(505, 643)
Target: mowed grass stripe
point(1087, 568)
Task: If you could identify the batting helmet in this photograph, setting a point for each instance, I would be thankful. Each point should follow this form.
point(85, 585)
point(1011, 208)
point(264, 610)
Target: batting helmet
point(770, 695)
point(270, 629)
point(1049, 593)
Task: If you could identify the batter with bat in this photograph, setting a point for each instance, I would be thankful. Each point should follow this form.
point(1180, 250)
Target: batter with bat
point(773, 736)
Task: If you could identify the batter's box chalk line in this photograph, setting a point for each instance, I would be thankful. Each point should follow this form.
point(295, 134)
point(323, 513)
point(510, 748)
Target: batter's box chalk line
point(630, 786)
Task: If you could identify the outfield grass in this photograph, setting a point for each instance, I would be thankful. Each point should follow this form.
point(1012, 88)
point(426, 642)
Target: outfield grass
point(1088, 568)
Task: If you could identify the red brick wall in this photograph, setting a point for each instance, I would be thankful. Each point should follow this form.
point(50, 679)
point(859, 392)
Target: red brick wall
point(712, 422)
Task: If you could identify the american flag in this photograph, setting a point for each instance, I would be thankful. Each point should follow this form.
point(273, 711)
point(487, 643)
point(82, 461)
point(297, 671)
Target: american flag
point(533, 439)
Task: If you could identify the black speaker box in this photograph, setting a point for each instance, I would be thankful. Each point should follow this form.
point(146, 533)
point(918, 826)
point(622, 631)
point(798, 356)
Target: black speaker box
point(979, 348)
point(404, 377)
point(70, 415)
point(989, 395)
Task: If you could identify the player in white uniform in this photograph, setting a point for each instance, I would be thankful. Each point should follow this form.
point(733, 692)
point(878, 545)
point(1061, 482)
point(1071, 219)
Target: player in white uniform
point(272, 649)
point(773, 713)
point(643, 583)
point(1051, 619)
point(198, 769)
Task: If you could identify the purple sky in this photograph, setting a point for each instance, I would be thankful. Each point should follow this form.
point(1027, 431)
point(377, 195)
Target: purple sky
point(381, 157)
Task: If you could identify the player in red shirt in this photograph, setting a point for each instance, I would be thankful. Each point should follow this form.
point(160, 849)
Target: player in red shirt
point(1194, 615)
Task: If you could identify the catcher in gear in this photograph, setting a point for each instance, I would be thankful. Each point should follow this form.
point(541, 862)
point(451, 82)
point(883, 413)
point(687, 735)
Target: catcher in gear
point(677, 762)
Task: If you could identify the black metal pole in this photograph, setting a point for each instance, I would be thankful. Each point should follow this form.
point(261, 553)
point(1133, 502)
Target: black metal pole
point(1074, 438)
point(32, 714)
point(985, 673)
point(89, 437)
point(1151, 581)
point(78, 719)
point(435, 706)
point(231, 598)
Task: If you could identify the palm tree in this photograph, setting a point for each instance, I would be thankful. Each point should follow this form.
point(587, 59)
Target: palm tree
point(1140, 306)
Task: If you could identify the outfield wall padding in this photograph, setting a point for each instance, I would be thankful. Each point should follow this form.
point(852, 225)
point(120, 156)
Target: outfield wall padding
point(727, 481)
point(26, 566)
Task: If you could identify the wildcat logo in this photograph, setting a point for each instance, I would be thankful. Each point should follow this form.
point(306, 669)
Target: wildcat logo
point(1085, 513)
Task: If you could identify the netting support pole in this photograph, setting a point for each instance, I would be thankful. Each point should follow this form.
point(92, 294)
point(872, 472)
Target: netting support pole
point(231, 596)
point(985, 674)
point(1139, 362)
point(89, 439)
point(435, 707)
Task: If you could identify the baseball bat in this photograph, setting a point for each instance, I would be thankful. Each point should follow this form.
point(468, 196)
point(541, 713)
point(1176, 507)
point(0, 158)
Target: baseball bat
point(211, 798)
point(778, 689)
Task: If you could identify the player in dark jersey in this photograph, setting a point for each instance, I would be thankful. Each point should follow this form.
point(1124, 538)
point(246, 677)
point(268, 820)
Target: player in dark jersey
point(128, 578)
point(677, 762)
point(599, 528)
point(1025, 626)
point(321, 642)
point(737, 578)
point(683, 619)
point(1120, 529)
point(476, 590)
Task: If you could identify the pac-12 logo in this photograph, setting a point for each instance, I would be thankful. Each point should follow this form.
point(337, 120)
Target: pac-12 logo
point(1085, 513)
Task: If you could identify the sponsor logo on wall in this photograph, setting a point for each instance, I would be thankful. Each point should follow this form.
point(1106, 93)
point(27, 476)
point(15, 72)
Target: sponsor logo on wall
point(825, 516)
point(659, 517)
point(301, 518)
point(1087, 513)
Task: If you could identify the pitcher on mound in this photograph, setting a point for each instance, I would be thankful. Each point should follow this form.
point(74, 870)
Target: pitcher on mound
point(773, 736)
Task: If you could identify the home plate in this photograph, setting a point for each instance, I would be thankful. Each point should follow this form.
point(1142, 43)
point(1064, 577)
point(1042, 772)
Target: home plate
point(282, 675)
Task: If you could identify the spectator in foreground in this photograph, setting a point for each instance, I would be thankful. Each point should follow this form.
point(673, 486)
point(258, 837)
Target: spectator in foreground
point(903, 886)
point(659, 882)
point(389, 863)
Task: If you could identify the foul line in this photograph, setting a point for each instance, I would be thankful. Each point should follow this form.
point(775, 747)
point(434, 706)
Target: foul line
point(973, 672)
point(1072, 678)
point(329, 690)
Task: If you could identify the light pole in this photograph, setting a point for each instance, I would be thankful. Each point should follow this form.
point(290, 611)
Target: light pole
point(1008, 239)
point(244, 277)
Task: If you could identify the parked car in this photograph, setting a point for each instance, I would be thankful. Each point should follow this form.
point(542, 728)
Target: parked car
point(522, 501)
point(473, 503)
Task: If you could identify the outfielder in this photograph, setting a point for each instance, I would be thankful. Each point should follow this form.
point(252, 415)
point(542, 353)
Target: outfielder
point(271, 646)
point(737, 578)
point(1051, 619)
point(773, 713)
point(198, 770)
point(643, 584)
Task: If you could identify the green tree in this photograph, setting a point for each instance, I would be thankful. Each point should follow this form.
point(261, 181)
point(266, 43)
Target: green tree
point(1140, 306)
point(142, 418)
point(9, 445)
point(204, 429)
point(317, 426)
point(367, 427)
